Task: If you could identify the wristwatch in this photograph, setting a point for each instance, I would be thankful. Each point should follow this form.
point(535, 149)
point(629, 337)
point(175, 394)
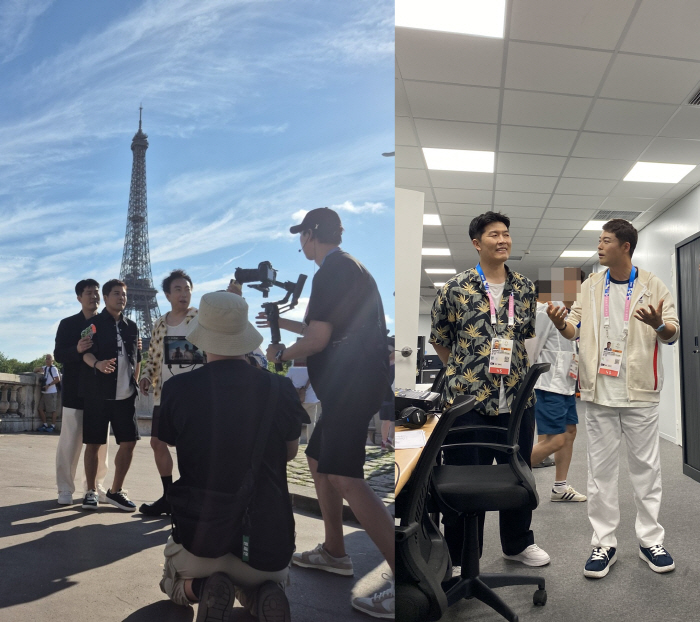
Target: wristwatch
point(660, 328)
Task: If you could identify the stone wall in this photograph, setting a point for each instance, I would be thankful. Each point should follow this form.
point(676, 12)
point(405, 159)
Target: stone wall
point(19, 398)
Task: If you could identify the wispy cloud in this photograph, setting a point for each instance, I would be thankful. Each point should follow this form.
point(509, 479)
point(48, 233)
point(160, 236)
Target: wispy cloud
point(17, 19)
point(349, 206)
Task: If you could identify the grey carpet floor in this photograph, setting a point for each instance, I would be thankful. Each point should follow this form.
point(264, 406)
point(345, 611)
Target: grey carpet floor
point(631, 591)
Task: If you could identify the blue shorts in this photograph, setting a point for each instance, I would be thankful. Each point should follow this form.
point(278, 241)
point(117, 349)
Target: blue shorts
point(554, 411)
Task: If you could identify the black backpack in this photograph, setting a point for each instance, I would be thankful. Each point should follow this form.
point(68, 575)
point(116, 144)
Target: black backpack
point(42, 381)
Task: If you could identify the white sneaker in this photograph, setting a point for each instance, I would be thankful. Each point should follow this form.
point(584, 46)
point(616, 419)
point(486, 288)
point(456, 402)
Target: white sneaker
point(380, 605)
point(568, 495)
point(533, 555)
point(65, 498)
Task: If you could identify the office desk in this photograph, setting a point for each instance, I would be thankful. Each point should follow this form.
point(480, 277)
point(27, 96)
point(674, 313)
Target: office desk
point(405, 460)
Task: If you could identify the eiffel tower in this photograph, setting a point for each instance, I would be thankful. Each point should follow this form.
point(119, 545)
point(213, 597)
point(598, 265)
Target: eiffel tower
point(141, 305)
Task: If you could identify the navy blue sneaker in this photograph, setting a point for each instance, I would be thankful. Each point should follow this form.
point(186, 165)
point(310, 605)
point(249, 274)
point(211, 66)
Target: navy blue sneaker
point(598, 564)
point(657, 557)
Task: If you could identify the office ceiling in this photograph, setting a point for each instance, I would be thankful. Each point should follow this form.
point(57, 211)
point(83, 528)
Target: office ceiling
point(574, 94)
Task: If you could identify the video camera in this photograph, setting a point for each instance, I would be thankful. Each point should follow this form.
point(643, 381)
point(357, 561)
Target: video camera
point(264, 277)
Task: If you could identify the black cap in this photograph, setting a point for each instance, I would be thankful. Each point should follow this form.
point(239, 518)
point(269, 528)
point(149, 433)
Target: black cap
point(319, 218)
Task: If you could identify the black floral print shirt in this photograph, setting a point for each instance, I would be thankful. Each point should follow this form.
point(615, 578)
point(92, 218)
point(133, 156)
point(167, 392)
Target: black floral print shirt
point(461, 322)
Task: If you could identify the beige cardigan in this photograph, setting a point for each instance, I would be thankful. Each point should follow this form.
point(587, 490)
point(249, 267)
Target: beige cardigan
point(644, 366)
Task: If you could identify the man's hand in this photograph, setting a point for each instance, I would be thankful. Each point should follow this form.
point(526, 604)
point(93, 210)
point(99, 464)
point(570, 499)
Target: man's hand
point(272, 351)
point(557, 315)
point(261, 320)
point(107, 366)
point(84, 344)
point(139, 344)
point(235, 287)
point(652, 317)
point(145, 385)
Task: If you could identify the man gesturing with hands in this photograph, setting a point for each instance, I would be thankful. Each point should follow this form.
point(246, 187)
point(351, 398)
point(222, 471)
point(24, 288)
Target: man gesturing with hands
point(631, 310)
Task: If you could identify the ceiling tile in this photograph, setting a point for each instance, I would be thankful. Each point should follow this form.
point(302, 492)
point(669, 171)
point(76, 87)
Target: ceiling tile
point(616, 146)
point(684, 124)
point(673, 150)
point(525, 183)
point(574, 200)
point(536, 140)
point(439, 57)
point(400, 100)
point(574, 215)
point(640, 189)
point(453, 179)
point(519, 164)
point(451, 102)
point(461, 210)
point(431, 238)
point(590, 23)
point(521, 198)
point(632, 204)
point(411, 177)
point(409, 157)
point(544, 110)
point(624, 117)
point(595, 187)
point(554, 69)
point(404, 133)
point(515, 212)
point(524, 223)
point(456, 135)
point(429, 208)
point(665, 28)
point(678, 191)
point(649, 79)
point(463, 219)
point(597, 168)
point(458, 195)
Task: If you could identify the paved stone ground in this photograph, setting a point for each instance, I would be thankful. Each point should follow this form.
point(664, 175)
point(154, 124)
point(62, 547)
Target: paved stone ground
point(379, 472)
point(62, 563)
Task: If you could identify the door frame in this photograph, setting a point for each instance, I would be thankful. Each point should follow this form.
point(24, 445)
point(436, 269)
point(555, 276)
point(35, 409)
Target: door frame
point(687, 469)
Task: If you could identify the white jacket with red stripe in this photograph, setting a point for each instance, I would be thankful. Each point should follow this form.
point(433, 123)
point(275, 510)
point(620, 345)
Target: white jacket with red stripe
point(644, 366)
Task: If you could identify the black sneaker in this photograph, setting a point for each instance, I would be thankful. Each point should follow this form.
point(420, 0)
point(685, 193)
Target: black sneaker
point(218, 597)
point(598, 564)
point(120, 500)
point(547, 462)
point(657, 557)
point(272, 603)
point(90, 500)
point(157, 508)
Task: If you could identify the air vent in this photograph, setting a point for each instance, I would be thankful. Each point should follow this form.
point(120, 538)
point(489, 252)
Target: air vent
point(515, 258)
point(610, 214)
point(695, 99)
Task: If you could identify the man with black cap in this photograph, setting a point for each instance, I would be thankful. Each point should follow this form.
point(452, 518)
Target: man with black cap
point(344, 342)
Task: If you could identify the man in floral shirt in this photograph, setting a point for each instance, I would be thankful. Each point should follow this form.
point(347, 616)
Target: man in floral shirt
point(480, 320)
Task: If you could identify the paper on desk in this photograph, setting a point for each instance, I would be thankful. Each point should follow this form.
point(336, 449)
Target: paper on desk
point(410, 439)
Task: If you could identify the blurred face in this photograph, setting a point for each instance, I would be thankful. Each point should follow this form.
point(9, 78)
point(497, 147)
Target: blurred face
point(494, 245)
point(49, 360)
point(180, 295)
point(115, 302)
point(610, 251)
point(90, 299)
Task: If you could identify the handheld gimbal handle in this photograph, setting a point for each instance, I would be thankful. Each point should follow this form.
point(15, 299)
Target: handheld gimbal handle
point(273, 317)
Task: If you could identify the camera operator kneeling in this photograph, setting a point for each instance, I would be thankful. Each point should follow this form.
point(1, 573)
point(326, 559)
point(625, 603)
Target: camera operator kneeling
point(234, 427)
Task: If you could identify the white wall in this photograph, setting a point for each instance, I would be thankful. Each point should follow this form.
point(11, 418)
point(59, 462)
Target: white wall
point(408, 225)
point(654, 252)
point(424, 330)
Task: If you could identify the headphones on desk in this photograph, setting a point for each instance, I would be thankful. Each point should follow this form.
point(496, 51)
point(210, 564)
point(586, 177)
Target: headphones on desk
point(412, 417)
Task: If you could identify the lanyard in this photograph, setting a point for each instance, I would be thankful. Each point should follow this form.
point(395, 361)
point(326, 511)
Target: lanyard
point(492, 304)
point(628, 300)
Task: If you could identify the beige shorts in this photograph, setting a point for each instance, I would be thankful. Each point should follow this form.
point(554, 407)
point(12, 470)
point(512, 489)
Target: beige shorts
point(48, 402)
point(180, 564)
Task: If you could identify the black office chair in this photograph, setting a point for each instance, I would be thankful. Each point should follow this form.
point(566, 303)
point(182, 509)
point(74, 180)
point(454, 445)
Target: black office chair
point(463, 491)
point(422, 559)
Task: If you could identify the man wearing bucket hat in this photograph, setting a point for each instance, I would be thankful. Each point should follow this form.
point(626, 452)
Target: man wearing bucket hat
point(344, 341)
point(234, 427)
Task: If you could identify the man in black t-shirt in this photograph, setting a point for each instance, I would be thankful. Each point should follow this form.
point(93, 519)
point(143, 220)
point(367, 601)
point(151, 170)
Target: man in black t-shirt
point(212, 416)
point(344, 342)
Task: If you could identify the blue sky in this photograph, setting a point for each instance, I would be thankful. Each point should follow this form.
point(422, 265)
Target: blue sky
point(255, 111)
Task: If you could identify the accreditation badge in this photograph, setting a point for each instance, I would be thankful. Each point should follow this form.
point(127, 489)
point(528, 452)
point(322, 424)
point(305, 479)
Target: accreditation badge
point(611, 358)
point(501, 356)
point(573, 367)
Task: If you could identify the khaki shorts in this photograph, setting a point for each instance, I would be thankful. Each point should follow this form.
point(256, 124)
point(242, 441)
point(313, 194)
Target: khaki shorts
point(48, 402)
point(180, 564)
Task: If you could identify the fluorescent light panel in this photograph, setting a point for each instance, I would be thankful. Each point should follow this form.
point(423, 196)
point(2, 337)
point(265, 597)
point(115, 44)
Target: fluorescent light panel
point(594, 225)
point(658, 172)
point(438, 284)
point(431, 219)
point(435, 251)
point(459, 160)
point(469, 17)
point(578, 253)
point(440, 271)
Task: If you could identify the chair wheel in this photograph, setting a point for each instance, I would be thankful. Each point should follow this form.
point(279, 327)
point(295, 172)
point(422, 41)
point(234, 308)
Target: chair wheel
point(540, 598)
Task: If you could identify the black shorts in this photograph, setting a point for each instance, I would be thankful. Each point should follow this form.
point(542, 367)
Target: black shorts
point(98, 414)
point(338, 440)
point(387, 412)
point(155, 420)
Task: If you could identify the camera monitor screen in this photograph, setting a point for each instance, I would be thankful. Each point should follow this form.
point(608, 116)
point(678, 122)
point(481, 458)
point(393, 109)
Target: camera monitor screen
point(179, 351)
